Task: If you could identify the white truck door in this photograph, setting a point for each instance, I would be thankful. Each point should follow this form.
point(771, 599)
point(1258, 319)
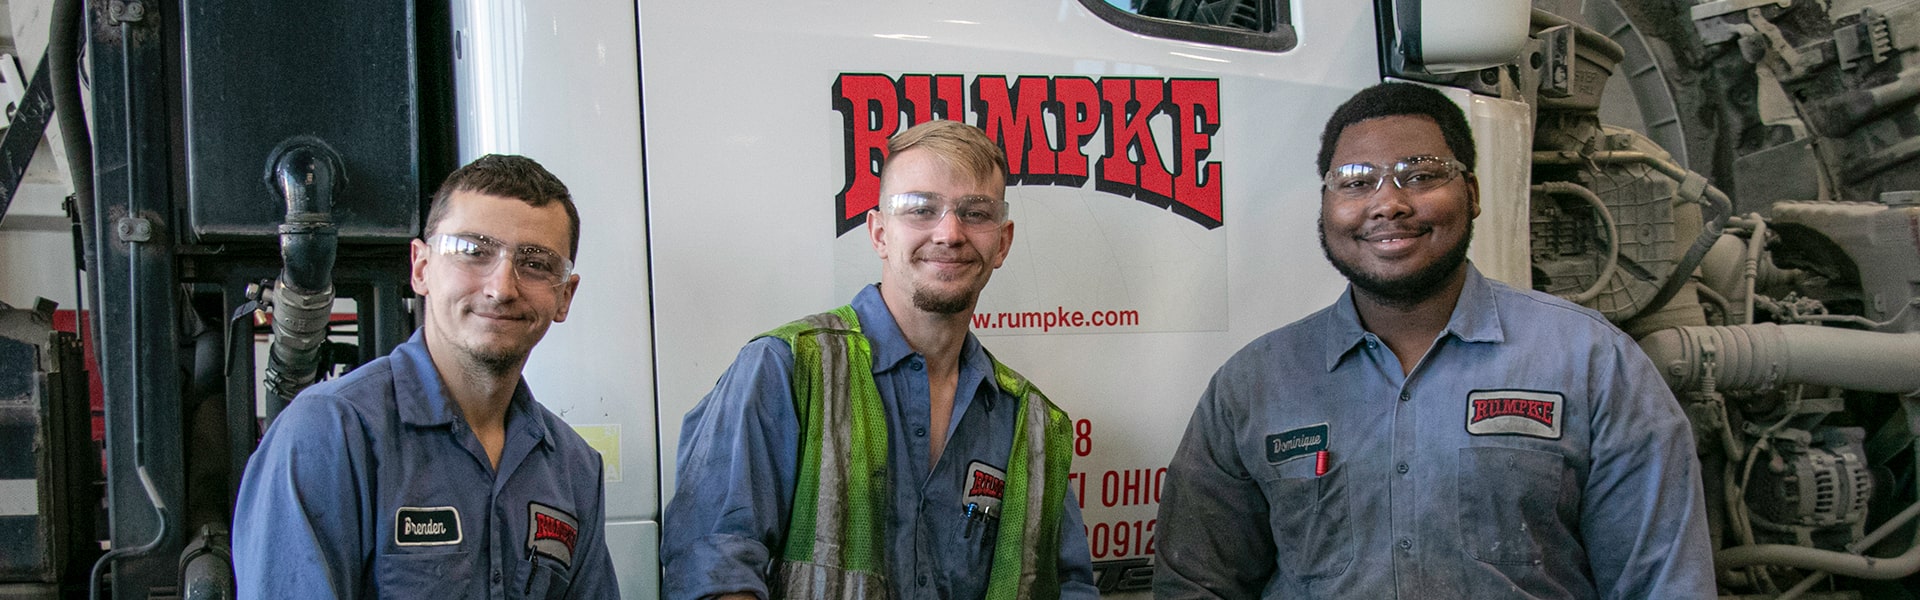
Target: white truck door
point(1131, 277)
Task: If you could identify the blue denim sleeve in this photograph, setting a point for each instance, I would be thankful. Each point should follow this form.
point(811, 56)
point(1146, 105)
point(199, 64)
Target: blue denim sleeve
point(1076, 564)
point(596, 579)
point(1214, 538)
point(735, 478)
point(1644, 517)
point(297, 523)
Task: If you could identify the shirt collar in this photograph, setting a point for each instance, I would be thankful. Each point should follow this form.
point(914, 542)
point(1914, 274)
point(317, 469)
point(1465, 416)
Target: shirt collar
point(1475, 318)
point(890, 348)
point(421, 397)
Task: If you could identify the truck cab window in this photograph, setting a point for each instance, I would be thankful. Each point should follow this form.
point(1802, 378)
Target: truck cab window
point(1252, 24)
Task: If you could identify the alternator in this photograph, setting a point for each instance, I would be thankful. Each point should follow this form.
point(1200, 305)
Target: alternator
point(1812, 487)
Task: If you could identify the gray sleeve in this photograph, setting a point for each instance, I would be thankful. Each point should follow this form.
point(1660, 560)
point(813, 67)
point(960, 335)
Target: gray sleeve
point(737, 470)
point(1076, 564)
point(1644, 514)
point(1213, 537)
point(300, 525)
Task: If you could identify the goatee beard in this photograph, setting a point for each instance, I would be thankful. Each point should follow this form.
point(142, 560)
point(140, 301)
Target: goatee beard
point(942, 305)
point(1407, 291)
point(491, 363)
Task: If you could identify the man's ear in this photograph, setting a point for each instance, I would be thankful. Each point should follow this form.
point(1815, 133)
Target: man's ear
point(1473, 196)
point(875, 232)
point(1006, 244)
point(417, 254)
point(566, 298)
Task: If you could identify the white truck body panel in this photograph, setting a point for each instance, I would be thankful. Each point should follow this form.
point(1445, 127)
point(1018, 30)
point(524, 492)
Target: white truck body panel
point(735, 227)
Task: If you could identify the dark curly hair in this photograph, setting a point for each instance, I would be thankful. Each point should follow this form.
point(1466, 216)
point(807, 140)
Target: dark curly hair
point(1392, 99)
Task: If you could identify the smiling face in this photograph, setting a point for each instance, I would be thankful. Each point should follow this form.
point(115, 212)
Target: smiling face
point(939, 270)
point(1398, 246)
point(490, 322)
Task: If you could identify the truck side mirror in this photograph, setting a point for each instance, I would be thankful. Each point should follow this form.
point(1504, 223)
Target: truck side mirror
point(1437, 37)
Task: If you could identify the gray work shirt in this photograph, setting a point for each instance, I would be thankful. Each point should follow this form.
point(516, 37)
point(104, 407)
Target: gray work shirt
point(374, 486)
point(738, 459)
point(1532, 453)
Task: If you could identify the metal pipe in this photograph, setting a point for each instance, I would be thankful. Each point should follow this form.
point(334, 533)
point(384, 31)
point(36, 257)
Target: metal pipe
point(1613, 234)
point(1838, 563)
point(135, 398)
point(1766, 355)
point(1880, 533)
point(1841, 114)
point(306, 174)
point(1757, 243)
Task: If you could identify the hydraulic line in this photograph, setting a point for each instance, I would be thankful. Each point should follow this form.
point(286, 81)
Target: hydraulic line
point(136, 399)
point(63, 56)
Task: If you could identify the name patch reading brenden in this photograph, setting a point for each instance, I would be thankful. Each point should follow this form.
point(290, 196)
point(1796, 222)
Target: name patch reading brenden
point(436, 526)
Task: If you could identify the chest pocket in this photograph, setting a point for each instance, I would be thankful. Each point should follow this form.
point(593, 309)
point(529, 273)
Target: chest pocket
point(1509, 502)
point(418, 574)
point(1312, 535)
point(546, 579)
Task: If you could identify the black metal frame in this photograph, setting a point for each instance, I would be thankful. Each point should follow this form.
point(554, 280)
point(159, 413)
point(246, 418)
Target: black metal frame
point(153, 275)
point(135, 280)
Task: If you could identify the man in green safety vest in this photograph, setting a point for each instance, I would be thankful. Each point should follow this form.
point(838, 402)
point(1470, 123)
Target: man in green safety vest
point(877, 450)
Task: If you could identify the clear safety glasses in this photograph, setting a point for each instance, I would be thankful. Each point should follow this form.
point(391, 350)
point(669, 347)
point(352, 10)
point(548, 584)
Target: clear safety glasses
point(479, 255)
point(1414, 174)
point(923, 210)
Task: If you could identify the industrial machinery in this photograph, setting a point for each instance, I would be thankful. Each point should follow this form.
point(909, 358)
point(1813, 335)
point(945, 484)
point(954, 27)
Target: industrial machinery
point(1733, 182)
point(1794, 345)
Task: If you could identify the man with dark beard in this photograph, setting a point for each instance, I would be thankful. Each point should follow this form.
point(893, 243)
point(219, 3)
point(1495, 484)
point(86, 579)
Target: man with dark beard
point(1432, 434)
point(877, 450)
point(432, 471)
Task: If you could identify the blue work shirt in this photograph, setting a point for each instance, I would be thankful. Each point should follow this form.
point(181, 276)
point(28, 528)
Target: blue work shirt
point(373, 486)
point(1532, 453)
point(739, 464)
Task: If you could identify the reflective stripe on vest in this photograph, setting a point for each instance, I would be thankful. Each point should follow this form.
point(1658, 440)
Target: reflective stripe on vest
point(836, 536)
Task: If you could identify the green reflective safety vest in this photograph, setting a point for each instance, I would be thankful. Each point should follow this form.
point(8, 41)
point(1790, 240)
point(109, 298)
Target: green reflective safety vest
point(836, 537)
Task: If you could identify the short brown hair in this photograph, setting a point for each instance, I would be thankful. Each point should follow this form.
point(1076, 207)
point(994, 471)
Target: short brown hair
point(508, 176)
point(960, 145)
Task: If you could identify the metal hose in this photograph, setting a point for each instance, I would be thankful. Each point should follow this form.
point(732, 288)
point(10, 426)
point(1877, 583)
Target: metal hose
point(63, 57)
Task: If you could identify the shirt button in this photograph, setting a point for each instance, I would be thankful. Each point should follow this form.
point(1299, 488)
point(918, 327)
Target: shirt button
point(1403, 467)
point(914, 364)
point(919, 432)
point(922, 581)
point(1371, 345)
point(1404, 395)
point(1405, 543)
point(496, 577)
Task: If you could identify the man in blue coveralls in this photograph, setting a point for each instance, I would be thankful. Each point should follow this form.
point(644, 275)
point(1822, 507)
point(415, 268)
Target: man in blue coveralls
point(432, 472)
point(878, 450)
point(1433, 434)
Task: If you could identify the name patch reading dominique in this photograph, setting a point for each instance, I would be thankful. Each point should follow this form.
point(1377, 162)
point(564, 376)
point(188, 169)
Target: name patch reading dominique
point(1295, 443)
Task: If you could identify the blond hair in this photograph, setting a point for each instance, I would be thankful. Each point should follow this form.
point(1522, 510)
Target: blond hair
point(959, 145)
